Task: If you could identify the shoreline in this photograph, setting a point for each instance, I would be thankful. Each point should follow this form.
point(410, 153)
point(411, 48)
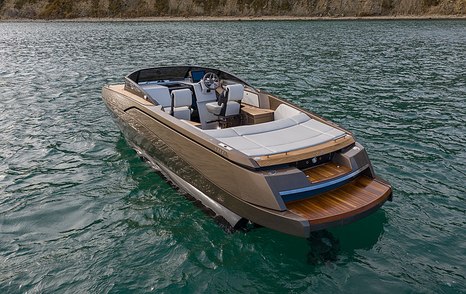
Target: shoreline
point(242, 18)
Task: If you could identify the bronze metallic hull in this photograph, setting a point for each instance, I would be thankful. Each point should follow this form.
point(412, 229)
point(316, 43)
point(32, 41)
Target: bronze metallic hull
point(272, 191)
point(197, 165)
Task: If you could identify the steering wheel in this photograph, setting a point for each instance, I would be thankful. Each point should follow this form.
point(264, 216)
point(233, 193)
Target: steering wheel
point(211, 80)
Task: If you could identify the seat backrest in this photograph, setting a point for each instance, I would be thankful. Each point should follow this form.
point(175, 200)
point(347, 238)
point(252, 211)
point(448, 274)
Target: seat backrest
point(235, 92)
point(251, 99)
point(182, 101)
point(182, 97)
point(159, 94)
point(285, 111)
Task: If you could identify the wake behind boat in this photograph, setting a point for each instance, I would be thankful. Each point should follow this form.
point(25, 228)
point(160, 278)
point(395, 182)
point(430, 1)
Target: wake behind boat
point(247, 155)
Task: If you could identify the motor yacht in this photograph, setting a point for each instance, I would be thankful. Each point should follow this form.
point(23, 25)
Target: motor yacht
point(247, 155)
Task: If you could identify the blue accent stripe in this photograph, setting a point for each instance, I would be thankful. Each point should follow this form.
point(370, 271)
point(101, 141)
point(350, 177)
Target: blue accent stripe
point(301, 193)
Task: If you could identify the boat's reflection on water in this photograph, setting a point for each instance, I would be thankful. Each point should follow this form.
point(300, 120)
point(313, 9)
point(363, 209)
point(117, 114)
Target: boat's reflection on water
point(324, 247)
point(327, 246)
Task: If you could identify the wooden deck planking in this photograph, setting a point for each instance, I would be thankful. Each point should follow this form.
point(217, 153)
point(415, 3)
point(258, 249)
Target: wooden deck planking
point(357, 196)
point(121, 90)
point(326, 171)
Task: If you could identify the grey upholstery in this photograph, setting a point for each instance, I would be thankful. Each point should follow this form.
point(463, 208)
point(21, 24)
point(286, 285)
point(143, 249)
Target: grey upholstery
point(285, 111)
point(264, 127)
point(182, 100)
point(222, 133)
point(286, 134)
point(234, 94)
point(299, 118)
point(182, 97)
point(158, 93)
point(251, 98)
point(206, 118)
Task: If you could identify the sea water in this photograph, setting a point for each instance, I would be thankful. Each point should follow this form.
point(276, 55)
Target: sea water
point(80, 212)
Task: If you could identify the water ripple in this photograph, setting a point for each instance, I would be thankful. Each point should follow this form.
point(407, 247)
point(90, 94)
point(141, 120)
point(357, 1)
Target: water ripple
point(80, 210)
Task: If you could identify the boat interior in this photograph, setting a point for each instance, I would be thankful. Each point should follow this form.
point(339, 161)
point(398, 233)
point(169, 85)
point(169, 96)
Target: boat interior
point(236, 114)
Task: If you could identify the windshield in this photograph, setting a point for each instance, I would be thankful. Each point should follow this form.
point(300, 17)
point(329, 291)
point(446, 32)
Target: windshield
point(177, 73)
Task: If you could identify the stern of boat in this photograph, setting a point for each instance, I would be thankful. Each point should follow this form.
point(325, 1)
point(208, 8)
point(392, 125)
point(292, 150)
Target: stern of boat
point(339, 188)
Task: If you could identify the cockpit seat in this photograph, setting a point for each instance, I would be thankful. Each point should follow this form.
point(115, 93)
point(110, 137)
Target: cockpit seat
point(228, 105)
point(181, 104)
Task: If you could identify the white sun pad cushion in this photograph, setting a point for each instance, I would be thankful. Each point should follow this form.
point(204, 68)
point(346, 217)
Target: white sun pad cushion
point(296, 132)
point(285, 111)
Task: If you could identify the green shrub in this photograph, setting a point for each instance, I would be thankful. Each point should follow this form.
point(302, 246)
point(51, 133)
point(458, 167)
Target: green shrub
point(95, 11)
point(20, 3)
point(162, 7)
point(431, 2)
point(387, 4)
point(115, 7)
point(58, 9)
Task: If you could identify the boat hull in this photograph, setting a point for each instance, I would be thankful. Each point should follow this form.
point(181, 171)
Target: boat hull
point(180, 156)
point(220, 183)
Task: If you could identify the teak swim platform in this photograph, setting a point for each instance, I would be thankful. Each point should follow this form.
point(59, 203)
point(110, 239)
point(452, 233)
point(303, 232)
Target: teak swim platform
point(246, 154)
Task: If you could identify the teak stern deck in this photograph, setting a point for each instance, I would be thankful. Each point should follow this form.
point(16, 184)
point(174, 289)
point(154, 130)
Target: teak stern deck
point(325, 172)
point(344, 204)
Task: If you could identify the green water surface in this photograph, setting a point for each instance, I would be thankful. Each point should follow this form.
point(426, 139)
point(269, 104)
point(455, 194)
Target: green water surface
point(81, 213)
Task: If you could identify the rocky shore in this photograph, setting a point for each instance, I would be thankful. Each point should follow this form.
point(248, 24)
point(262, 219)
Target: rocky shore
point(228, 9)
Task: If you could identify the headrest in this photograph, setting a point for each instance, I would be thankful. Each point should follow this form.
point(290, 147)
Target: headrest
point(182, 97)
point(285, 111)
point(235, 92)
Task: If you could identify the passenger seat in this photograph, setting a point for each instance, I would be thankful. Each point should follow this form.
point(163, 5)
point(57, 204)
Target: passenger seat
point(181, 104)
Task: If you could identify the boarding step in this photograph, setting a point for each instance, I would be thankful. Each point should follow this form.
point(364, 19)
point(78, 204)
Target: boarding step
point(326, 171)
point(345, 204)
point(322, 178)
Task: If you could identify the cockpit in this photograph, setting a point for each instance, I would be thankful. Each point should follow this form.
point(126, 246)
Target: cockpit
point(206, 97)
